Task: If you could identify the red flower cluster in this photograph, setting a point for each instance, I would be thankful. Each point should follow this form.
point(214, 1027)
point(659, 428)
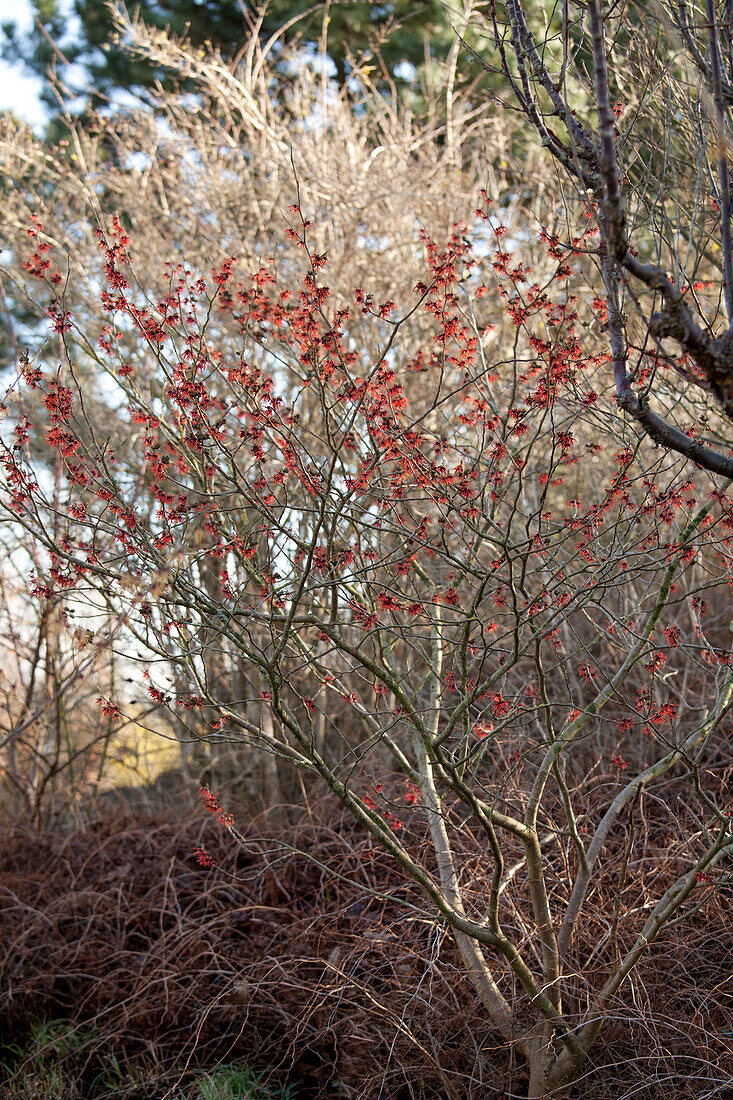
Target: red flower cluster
point(204, 858)
point(108, 708)
point(211, 803)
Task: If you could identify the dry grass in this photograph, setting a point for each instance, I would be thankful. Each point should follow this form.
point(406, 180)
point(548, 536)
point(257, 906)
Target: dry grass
point(272, 959)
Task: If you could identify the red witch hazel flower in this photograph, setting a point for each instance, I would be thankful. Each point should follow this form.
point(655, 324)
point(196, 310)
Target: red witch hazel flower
point(412, 795)
point(211, 803)
point(108, 708)
point(204, 858)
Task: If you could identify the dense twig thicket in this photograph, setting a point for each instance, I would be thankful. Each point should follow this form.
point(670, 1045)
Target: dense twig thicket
point(326, 972)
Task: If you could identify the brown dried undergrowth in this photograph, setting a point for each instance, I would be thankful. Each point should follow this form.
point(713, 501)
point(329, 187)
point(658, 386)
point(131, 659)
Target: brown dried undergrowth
point(335, 983)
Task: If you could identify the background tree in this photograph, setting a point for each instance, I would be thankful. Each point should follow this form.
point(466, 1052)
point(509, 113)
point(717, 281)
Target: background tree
point(388, 35)
point(662, 193)
point(55, 740)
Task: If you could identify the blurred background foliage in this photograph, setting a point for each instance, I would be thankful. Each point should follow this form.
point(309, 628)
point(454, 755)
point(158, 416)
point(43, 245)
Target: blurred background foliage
point(404, 43)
